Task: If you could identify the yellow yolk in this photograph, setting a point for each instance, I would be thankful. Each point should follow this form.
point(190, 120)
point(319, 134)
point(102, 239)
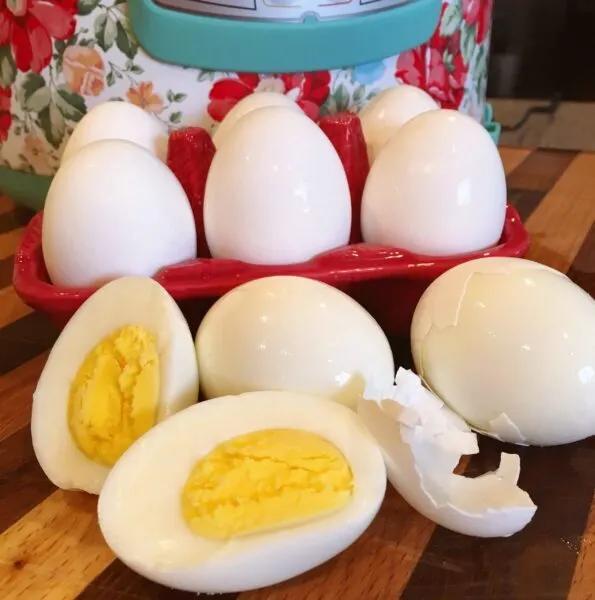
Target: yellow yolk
point(114, 397)
point(265, 480)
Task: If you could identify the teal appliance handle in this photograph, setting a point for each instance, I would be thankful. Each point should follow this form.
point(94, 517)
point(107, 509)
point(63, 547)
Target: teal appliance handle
point(258, 46)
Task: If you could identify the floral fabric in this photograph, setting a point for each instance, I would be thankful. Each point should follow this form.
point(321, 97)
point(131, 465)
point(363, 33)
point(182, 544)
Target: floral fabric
point(59, 58)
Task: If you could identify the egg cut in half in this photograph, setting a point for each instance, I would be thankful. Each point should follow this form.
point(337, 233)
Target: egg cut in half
point(124, 362)
point(242, 492)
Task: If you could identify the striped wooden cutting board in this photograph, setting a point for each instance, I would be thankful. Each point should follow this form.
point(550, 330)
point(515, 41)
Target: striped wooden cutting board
point(51, 548)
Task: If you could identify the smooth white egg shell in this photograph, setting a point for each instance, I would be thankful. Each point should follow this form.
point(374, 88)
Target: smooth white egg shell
point(126, 301)
point(437, 188)
point(112, 210)
point(278, 194)
point(510, 345)
point(291, 333)
point(140, 508)
point(120, 121)
point(252, 102)
point(422, 441)
point(388, 111)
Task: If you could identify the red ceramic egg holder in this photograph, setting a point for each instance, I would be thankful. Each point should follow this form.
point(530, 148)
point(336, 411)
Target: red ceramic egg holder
point(388, 282)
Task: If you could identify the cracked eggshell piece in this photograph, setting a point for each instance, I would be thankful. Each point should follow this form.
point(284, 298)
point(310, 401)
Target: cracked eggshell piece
point(509, 344)
point(422, 441)
point(140, 511)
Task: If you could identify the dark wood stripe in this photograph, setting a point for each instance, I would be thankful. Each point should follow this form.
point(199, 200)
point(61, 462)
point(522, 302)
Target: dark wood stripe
point(25, 339)
point(535, 177)
point(541, 170)
point(118, 581)
point(14, 219)
point(535, 564)
point(6, 268)
point(23, 485)
point(582, 271)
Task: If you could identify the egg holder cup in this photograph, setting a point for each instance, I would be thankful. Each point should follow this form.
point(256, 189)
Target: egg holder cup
point(388, 282)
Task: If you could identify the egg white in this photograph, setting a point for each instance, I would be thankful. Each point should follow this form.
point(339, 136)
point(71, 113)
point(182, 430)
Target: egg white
point(140, 505)
point(126, 301)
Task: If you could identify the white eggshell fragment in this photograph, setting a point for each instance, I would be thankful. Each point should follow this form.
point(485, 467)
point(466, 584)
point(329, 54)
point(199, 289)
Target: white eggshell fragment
point(252, 102)
point(278, 194)
point(437, 188)
point(295, 334)
point(118, 120)
point(509, 344)
point(112, 210)
point(388, 111)
point(140, 511)
point(422, 441)
point(126, 301)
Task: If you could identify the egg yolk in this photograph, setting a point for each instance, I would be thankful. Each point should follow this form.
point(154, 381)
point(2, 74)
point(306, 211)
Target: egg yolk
point(265, 480)
point(114, 396)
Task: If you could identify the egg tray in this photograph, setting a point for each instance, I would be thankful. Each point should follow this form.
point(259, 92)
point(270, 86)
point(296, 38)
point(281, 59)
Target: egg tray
point(388, 282)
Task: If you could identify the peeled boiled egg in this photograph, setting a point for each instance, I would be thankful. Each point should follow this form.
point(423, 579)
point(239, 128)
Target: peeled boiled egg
point(294, 334)
point(437, 188)
point(509, 344)
point(246, 105)
point(114, 209)
point(278, 194)
point(383, 116)
point(243, 492)
point(422, 442)
point(124, 362)
point(119, 121)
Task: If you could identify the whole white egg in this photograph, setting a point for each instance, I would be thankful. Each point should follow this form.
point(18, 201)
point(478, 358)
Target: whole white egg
point(437, 188)
point(124, 362)
point(388, 111)
point(118, 120)
point(295, 334)
point(114, 209)
point(278, 194)
point(246, 105)
point(509, 344)
point(140, 507)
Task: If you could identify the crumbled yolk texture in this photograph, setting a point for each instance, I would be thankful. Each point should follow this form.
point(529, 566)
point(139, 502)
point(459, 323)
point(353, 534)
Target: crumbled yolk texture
point(263, 481)
point(115, 394)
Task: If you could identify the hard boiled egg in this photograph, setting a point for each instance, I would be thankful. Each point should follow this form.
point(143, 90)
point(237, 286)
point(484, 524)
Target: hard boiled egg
point(246, 105)
point(120, 121)
point(124, 362)
point(422, 441)
point(437, 188)
point(384, 115)
point(114, 209)
point(243, 492)
point(509, 344)
point(295, 334)
point(278, 194)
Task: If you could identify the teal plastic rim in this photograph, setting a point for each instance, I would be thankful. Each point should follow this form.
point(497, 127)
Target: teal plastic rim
point(30, 190)
point(219, 44)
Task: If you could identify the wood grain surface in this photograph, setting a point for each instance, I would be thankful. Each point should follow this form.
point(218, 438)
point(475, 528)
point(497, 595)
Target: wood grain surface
point(51, 547)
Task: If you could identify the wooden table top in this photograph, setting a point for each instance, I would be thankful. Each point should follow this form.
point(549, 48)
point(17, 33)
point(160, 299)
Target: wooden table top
point(51, 547)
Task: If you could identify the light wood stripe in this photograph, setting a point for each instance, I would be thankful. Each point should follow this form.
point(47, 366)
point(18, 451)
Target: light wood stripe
point(54, 551)
point(513, 157)
point(562, 221)
point(9, 242)
point(11, 307)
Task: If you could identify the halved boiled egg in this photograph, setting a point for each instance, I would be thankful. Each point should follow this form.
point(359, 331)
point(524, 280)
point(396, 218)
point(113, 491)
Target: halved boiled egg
point(262, 486)
point(124, 362)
